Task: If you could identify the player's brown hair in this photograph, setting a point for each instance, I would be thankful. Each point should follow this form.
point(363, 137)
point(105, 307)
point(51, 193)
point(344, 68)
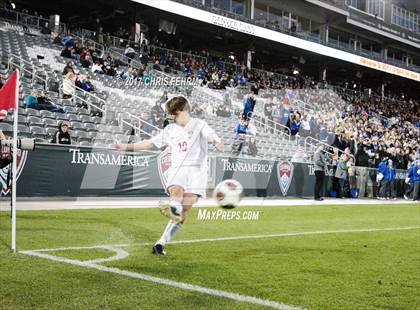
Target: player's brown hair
point(177, 104)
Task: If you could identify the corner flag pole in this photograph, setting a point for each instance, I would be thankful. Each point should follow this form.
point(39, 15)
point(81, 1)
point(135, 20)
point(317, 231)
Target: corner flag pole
point(14, 164)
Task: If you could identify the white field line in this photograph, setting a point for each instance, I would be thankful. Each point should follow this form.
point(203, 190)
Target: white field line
point(277, 235)
point(181, 285)
point(119, 254)
point(84, 204)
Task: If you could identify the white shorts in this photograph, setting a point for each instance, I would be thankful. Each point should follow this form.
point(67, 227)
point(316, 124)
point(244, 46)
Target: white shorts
point(192, 179)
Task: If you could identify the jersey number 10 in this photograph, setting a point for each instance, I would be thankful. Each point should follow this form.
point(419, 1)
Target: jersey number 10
point(183, 146)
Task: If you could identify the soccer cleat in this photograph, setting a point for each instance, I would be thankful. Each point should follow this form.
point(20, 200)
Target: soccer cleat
point(167, 210)
point(158, 249)
point(405, 197)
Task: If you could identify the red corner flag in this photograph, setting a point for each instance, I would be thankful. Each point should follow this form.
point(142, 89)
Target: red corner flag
point(9, 93)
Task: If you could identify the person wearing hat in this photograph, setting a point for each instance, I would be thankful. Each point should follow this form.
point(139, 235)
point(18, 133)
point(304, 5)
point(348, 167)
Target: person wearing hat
point(62, 135)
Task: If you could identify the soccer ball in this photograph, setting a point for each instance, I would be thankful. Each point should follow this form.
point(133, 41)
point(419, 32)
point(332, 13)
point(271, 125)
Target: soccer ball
point(228, 194)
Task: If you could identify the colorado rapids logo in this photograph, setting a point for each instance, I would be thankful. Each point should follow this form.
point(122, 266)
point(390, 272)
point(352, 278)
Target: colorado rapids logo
point(284, 175)
point(164, 163)
point(21, 159)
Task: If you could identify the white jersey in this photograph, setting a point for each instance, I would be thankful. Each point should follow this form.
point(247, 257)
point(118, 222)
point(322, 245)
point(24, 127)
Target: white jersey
point(188, 144)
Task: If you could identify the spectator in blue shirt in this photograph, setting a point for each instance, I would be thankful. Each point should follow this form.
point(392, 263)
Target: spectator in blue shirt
point(68, 41)
point(285, 114)
point(32, 100)
point(413, 181)
point(249, 105)
point(241, 127)
point(389, 172)
point(241, 130)
point(295, 123)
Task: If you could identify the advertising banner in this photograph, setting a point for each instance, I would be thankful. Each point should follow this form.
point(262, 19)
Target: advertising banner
point(67, 171)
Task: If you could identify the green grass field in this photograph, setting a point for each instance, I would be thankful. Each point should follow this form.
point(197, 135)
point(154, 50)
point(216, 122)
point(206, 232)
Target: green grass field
point(347, 269)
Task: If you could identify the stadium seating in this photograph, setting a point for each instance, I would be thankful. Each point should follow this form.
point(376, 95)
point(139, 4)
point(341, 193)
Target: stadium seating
point(120, 100)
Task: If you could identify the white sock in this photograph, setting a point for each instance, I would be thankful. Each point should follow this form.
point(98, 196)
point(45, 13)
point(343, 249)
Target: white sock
point(169, 232)
point(177, 205)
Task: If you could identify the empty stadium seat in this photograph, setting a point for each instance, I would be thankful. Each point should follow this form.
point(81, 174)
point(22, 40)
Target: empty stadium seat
point(47, 114)
point(38, 132)
point(77, 126)
point(33, 112)
point(35, 121)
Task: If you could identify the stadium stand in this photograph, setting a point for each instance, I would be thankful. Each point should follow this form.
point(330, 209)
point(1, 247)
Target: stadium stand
point(325, 110)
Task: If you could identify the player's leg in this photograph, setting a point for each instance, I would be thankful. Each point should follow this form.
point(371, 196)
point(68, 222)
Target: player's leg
point(174, 211)
point(172, 227)
point(187, 203)
point(177, 183)
point(194, 188)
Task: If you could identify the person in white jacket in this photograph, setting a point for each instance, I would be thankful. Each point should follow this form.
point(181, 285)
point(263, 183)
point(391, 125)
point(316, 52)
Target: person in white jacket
point(68, 85)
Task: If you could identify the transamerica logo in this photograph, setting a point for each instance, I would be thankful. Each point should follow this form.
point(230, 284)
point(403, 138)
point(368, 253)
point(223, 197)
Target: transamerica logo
point(109, 159)
point(21, 159)
point(229, 165)
point(284, 175)
point(328, 172)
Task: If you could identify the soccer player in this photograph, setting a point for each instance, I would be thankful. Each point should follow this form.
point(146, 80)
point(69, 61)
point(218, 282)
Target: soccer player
point(187, 139)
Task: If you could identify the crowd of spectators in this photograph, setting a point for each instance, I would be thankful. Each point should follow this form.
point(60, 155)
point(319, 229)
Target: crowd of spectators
point(365, 131)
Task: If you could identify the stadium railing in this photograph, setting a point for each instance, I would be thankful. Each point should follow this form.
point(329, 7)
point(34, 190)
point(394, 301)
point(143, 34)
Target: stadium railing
point(81, 94)
point(22, 64)
point(126, 61)
point(311, 144)
point(28, 20)
point(129, 116)
point(270, 124)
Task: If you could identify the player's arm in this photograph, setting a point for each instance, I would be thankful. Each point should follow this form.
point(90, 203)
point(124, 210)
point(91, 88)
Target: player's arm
point(213, 137)
point(142, 145)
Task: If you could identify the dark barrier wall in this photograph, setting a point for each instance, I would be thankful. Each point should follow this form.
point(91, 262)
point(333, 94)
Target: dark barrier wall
point(72, 171)
point(269, 178)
